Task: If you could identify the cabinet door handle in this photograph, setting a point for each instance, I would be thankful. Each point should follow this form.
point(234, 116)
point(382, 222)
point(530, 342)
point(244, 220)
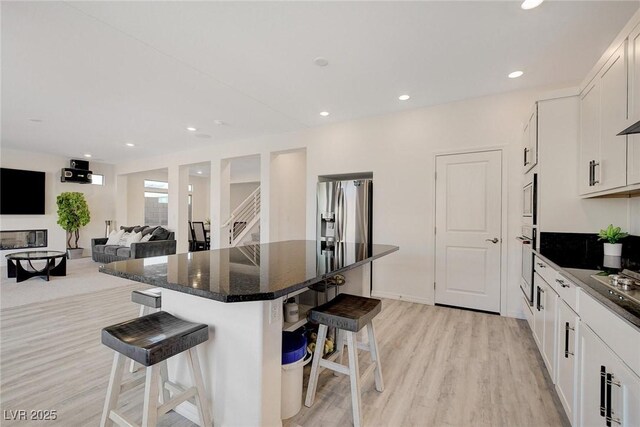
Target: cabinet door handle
point(561, 283)
point(603, 375)
point(541, 265)
point(567, 328)
point(591, 173)
point(609, 418)
point(526, 160)
point(538, 295)
point(608, 410)
point(596, 181)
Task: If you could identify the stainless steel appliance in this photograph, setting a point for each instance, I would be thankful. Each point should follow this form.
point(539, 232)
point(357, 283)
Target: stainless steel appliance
point(344, 214)
point(528, 242)
point(528, 236)
point(626, 284)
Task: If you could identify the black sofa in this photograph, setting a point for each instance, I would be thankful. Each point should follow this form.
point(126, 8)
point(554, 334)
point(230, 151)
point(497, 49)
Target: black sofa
point(100, 252)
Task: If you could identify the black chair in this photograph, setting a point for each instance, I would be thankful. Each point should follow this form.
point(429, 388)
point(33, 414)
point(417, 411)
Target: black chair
point(192, 238)
point(201, 242)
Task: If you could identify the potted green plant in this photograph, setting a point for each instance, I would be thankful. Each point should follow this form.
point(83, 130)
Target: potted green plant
point(611, 235)
point(73, 213)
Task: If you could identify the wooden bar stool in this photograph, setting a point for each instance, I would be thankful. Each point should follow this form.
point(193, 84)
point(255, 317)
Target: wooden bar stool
point(348, 314)
point(150, 340)
point(150, 301)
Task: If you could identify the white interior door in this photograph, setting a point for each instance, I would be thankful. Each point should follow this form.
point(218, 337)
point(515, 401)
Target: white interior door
point(468, 230)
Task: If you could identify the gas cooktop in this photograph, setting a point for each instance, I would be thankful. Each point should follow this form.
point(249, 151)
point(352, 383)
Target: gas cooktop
point(625, 284)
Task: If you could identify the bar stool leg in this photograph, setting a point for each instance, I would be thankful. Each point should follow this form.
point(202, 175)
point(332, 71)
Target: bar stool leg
point(375, 356)
point(339, 348)
point(164, 377)
point(315, 366)
point(202, 402)
point(113, 391)
point(150, 406)
point(354, 376)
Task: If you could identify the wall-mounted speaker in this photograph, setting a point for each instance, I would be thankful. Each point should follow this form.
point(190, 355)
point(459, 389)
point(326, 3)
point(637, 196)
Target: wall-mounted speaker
point(79, 164)
point(79, 176)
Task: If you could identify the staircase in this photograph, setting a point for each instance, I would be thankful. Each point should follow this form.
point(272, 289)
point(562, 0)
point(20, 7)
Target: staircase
point(244, 218)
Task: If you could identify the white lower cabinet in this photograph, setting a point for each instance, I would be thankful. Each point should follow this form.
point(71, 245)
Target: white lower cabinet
point(610, 391)
point(567, 330)
point(544, 322)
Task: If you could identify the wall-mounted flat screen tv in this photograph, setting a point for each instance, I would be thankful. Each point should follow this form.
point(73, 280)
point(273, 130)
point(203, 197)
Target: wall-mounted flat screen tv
point(21, 192)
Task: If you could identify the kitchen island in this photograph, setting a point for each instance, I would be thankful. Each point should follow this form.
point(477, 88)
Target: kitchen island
point(239, 293)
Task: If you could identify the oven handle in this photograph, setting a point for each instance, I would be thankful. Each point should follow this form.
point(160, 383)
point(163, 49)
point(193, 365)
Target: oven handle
point(524, 240)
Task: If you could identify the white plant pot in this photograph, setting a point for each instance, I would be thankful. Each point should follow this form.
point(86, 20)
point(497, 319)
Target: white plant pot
point(613, 249)
point(74, 253)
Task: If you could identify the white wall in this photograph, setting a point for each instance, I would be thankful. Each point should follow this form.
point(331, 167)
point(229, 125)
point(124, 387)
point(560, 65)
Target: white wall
point(201, 197)
point(239, 192)
point(399, 149)
point(288, 195)
point(101, 199)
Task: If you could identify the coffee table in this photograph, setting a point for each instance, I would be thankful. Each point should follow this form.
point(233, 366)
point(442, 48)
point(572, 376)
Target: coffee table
point(17, 270)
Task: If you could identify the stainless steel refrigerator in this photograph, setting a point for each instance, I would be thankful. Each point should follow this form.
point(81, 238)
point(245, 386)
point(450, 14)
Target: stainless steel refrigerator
point(344, 215)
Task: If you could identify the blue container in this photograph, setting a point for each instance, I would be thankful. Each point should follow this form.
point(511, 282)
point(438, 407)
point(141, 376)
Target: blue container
point(294, 347)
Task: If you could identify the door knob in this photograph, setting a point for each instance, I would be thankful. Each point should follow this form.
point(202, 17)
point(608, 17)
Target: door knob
point(494, 240)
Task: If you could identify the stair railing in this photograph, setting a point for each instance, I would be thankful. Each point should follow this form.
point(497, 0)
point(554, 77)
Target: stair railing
point(243, 218)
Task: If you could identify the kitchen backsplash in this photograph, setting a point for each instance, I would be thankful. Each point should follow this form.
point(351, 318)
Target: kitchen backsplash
point(581, 250)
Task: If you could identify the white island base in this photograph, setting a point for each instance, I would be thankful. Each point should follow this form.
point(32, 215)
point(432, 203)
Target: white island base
point(241, 361)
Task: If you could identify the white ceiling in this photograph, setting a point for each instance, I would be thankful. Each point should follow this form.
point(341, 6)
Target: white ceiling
point(101, 74)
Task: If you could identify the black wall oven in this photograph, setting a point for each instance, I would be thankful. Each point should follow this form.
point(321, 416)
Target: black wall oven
point(528, 235)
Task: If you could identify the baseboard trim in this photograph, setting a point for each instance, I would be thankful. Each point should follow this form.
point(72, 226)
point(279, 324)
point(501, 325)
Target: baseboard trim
point(401, 297)
point(516, 314)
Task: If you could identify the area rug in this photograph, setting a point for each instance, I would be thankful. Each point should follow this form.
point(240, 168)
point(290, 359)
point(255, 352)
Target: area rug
point(82, 277)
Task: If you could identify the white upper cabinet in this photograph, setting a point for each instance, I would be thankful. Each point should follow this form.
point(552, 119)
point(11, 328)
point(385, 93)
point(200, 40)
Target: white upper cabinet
point(530, 154)
point(612, 171)
point(603, 109)
point(589, 136)
point(633, 141)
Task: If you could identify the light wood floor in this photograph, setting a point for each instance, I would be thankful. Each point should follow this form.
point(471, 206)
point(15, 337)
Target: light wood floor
point(441, 366)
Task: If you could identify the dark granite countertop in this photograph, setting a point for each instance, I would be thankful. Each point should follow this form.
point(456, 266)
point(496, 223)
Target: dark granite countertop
point(624, 308)
point(248, 273)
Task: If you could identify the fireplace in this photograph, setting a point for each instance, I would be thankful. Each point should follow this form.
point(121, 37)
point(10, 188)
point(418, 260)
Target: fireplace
point(23, 239)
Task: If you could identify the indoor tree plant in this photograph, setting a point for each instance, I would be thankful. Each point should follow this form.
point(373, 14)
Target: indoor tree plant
point(73, 213)
point(611, 235)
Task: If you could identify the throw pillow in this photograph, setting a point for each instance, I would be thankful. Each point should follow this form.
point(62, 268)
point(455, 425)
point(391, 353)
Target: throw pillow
point(123, 239)
point(160, 234)
point(139, 228)
point(127, 229)
point(145, 238)
point(133, 238)
point(114, 237)
point(149, 230)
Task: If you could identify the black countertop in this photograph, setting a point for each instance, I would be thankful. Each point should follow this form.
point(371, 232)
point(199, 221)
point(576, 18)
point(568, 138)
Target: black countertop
point(247, 273)
point(622, 307)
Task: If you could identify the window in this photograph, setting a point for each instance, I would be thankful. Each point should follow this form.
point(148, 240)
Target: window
point(159, 185)
point(97, 179)
point(156, 203)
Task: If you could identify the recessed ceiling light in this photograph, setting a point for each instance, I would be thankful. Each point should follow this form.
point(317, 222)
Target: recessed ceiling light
point(130, 144)
point(321, 62)
point(530, 4)
point(199, 172)
point(515, 74)
point(87, 155)
point(324, 113)
point(190, 129)
point(403, 97)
